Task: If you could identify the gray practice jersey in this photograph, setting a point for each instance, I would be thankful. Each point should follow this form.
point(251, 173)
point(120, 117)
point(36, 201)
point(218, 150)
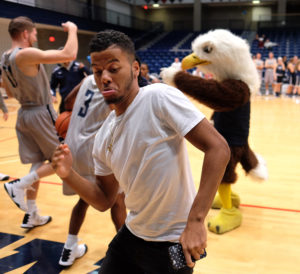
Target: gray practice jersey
point(88, 115)
point(29, 91)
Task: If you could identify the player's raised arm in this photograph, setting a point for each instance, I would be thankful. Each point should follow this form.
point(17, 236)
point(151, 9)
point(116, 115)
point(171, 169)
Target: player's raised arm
point(32, 56)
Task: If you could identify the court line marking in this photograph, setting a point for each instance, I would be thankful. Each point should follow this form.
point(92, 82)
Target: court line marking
point(9, 156)
point(9, 161)
point(271, 208)
point(10, 138)
point(242, 205)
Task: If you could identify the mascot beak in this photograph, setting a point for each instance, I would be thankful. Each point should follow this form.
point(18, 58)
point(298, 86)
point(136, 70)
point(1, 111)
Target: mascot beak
point(191, 61)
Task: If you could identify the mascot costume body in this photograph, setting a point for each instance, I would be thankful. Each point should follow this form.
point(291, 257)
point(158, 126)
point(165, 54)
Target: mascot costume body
point(227, 56)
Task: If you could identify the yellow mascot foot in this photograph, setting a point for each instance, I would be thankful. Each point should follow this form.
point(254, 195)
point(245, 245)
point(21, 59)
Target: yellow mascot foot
point(235, 199)
point(226, 220)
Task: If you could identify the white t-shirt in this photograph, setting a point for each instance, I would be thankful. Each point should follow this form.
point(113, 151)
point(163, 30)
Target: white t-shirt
point(145, 149)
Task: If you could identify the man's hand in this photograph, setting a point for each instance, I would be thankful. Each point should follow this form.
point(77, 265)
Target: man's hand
point(62, 161)
point(193, 241)
point(69, 26)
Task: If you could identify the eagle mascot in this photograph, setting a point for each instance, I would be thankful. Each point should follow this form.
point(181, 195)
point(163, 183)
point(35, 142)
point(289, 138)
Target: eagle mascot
point(228, 58)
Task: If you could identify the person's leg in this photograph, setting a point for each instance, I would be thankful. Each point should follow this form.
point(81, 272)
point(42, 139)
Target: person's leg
point(30, 182)
point(118, 211)
point(129, 254)
point(289, 90)
point(72, 250)
point(122, 254)
point(78, 216)
point(266, 82)
point(277, 89)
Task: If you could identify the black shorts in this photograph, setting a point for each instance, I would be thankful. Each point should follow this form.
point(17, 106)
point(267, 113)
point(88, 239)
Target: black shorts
point(292, 79)
point(279, 79)
point(130, 254)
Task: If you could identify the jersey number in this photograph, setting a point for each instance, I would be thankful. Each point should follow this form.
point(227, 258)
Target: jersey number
point(84, 109)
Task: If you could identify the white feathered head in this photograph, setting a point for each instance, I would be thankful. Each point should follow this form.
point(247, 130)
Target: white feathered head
point(225, 55)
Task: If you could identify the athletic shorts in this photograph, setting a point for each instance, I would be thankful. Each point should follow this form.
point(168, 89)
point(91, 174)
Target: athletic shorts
point(292, 79)
point(269, 76)
point(128, 253)
point(36, 133)
point(279, 79)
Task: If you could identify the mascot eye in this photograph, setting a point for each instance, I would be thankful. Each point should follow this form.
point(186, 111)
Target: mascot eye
point(207, 49)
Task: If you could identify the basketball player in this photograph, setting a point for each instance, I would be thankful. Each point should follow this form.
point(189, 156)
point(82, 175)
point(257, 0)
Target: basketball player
point(3, 177)
point(88, 115)
point(24, 78)
point(270, 72)
point(141, 148)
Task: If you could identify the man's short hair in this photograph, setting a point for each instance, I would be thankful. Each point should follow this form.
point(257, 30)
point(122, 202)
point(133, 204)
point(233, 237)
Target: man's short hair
point(18, 25)
point(104, 39)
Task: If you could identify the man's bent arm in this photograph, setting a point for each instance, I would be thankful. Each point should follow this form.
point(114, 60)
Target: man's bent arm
point(206, 138)
point(101, 195)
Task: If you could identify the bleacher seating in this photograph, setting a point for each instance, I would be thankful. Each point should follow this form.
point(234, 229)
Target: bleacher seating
point(288, 43)
point(162, 53)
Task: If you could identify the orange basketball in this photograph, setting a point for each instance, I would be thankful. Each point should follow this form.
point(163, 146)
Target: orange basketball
point(62, 123)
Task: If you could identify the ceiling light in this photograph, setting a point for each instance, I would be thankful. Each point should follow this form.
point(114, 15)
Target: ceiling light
point(256, 2)
point(155, 5)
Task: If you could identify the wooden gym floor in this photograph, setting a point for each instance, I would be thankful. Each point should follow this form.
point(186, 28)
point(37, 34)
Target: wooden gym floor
point(267, 242)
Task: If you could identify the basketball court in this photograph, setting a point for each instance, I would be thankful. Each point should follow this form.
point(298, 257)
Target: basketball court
point(267, 242)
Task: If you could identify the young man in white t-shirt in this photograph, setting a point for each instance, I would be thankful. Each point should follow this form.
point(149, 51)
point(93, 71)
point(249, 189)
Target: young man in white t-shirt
point(141, 148)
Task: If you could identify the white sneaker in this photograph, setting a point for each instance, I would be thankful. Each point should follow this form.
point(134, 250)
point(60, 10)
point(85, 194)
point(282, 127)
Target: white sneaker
point(3, 177)
point(260, 172)
point(33, 219)
point(16, 193)
point(69, 255)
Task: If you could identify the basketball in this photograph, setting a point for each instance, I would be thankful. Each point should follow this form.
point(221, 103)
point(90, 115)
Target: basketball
point(62, 123)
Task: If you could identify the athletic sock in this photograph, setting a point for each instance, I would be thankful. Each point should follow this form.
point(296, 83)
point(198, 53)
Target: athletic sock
point(71, 240)
point(28, 180)
point(31, 205)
